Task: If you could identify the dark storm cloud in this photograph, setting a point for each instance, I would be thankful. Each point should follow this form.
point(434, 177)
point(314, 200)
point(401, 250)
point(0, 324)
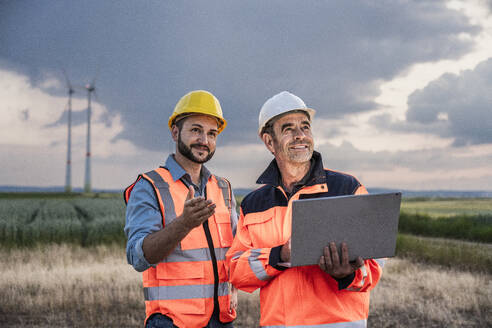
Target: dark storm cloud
point(331, 54)
point(348, 158)
point(387, 122)
point(461, 104)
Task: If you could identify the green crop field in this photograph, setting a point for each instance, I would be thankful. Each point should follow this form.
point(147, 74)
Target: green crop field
point(447, 207)
point(459, 218)
point(426, 225)
point(476, 228)
point(83, 220)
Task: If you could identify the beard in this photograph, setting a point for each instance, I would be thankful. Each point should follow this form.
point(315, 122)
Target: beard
point(294, 156)
point(186, 152)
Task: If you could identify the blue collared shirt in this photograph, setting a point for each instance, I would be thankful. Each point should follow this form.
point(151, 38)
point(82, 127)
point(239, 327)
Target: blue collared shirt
point(143, 216)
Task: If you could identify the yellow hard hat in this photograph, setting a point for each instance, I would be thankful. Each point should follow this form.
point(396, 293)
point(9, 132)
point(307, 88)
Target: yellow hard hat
point(199, 102)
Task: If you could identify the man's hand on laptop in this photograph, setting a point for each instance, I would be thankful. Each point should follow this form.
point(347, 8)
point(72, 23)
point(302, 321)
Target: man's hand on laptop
point(331, 263)
point(285, 252)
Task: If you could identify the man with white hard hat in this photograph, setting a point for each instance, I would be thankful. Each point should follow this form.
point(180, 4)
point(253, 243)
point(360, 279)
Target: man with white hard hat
point(334, 293)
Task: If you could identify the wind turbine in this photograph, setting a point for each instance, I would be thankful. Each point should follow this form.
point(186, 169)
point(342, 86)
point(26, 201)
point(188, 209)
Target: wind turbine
point(68, 172)
point(90, 87)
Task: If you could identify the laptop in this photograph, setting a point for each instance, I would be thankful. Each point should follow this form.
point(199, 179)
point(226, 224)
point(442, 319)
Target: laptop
point(367, 223)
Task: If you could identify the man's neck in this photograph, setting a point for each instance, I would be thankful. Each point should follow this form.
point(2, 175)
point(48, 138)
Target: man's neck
point(292, 173)
point(192, 168)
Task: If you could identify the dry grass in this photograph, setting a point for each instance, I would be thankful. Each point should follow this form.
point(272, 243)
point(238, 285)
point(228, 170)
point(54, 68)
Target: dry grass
point(416, 295)
point(69, 286)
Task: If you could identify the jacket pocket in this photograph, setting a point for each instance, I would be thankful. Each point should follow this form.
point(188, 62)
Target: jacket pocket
point(182, 288)
point(265, 228)
point(224, 229)
point(180, 271)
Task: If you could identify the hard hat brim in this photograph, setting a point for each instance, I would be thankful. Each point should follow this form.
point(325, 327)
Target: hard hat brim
point(311, 112)
point(222, 123)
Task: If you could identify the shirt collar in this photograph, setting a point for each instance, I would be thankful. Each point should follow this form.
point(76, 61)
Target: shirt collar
point(315, 174)
point(177, 172)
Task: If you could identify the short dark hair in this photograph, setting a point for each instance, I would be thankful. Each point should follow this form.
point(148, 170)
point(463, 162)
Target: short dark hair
point(268, 128)
point(179, 120)
point(179, 123)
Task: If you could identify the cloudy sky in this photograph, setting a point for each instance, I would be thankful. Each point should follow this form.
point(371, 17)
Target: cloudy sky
point(403, 89)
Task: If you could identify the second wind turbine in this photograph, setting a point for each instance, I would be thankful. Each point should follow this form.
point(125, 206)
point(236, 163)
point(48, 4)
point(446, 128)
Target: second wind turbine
point(91, 87)
point(68, 172)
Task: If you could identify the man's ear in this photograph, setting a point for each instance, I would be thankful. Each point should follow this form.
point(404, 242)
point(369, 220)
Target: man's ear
point(175, 132)
point(268, 141)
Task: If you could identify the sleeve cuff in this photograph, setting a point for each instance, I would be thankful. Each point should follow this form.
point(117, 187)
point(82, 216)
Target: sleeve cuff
point(345, 281)
point(274, 258)
point(140, 263)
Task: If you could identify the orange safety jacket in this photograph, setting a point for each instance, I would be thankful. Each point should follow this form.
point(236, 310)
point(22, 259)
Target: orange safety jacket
point(302, 296)
point(182, 285)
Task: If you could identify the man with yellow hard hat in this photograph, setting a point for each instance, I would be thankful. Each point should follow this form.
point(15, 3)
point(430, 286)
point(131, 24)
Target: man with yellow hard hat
point(180, 222)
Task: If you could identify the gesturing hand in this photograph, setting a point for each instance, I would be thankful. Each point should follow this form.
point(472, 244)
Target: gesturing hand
point(196, 210)
point(331, 264)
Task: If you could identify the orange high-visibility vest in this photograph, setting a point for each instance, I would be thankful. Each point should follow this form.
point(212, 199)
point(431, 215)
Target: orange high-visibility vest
point(181, 286)
point(303, 296)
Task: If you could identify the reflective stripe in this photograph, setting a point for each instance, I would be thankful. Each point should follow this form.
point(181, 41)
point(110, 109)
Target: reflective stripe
point(225, 191)
point(364, 272)
point(226, 194)
point(167, 200)
point(237, 255)
point(184, 292)
point(381, 262)
point(220, 253)
point(256, 265)
point(353, 324)
point(195, 255)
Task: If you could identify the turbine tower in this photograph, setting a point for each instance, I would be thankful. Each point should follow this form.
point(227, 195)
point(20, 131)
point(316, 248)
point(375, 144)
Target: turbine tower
point(91, 87)
point(68, 171)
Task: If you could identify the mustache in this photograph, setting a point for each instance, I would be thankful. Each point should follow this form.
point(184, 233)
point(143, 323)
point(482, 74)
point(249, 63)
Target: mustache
point(299, 142)
point(200, 146)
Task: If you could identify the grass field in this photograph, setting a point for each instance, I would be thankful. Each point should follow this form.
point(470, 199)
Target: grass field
point(90, 220)
point(462, 226)
point(63, 265)
point(81, 220)
point(448, 253)
point(73, 286)
point(447, 207)
point(27, 219)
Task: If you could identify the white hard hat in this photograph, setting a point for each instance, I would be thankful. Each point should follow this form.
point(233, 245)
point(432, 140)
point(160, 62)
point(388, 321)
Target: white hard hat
point(281, 103)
